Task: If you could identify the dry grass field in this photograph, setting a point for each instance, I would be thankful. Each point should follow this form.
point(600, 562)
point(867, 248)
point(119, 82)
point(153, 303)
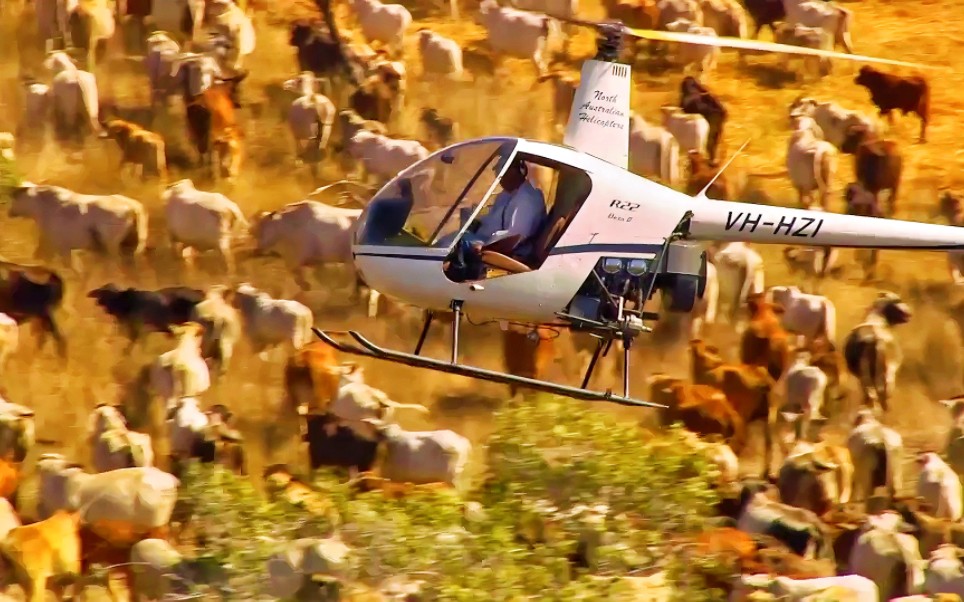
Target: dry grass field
point(757, 97)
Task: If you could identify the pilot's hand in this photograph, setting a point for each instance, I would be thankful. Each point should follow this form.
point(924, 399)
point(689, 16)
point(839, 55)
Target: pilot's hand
point(477, 246)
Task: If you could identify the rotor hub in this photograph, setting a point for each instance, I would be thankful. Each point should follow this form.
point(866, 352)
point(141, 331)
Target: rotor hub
point(610, 41)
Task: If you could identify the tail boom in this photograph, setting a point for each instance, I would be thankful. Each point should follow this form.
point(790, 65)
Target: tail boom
point(745, 222)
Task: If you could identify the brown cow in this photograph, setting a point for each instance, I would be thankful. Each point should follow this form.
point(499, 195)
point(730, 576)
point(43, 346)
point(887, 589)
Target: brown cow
point(143, 149)
point(227, 150)
point(891, 93)
point(527, 357)
point(43, 553)
point(311, 381)
point(211, 115)
point(765, 342)
point(701, 172)
point(747, 388)
point(702, 409)
point(877, 163)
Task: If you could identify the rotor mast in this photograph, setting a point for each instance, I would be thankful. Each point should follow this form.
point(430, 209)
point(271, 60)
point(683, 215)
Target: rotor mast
point(599, 117)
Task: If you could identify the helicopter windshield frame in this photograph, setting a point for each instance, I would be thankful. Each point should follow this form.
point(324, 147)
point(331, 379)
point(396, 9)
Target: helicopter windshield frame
point(399, 213)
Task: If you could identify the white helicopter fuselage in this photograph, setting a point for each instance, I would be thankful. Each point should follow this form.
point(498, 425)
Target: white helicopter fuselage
point(625, 216)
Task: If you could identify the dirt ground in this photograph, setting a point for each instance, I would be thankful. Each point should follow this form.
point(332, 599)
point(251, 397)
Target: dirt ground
point(757, 97)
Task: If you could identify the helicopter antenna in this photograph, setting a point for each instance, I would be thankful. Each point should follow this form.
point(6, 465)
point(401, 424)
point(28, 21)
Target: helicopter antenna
point(702, 194)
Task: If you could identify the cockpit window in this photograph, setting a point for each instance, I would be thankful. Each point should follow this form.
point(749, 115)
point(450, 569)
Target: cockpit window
point(429, 203)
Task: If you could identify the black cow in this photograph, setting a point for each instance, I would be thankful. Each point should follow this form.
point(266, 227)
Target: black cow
point(317, 51)
point(139, 312)
point(330, 444)
point(697, 99)
point(31, 294)
point(878, 163)
point(765, 13)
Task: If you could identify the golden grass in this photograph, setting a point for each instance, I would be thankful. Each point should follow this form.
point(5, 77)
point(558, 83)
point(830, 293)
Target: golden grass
point(64, 394)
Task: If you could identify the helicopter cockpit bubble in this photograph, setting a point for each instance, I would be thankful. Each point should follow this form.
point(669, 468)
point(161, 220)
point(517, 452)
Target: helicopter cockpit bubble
point(431, 202)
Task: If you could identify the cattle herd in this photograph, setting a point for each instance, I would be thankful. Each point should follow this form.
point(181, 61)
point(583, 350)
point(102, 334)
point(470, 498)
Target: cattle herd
point(816, 521)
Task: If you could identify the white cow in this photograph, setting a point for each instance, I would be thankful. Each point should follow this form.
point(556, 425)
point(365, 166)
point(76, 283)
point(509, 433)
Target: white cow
point(440, 55)
point(833, 120)
point(811, 162)
point(876, 450)
point(68, 221)
point(160, 61)
point(113, 445)
point(691, 130)
point(9, 339)
point(852, 588)
point(940, 487)
point(421, 457)
point(142, 497)
point(830, 17)
point(675, 10)
point(357, 401)
point(222, 326)
point(517, 33)
point(383, 156)
point(804, 390)
point(269, 322)
point(812, 316)
point(703, 57)
point(944, 573)
point(310, 118)
point(181, 372)
point(886, 554)
point(386, 23)
point(653, 151)
point(816, 476)
point(307, 234)
point(805, 37)
point(740, 272)
point(225, 18)
point(74, 98)
point(195, 72)
point(199, 221)
point(725, 17)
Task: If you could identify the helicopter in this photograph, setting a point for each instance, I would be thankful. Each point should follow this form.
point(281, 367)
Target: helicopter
point(611, 239)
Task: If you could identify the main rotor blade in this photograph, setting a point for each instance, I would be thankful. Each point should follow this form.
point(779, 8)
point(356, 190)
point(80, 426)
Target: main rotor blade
point(739, 43)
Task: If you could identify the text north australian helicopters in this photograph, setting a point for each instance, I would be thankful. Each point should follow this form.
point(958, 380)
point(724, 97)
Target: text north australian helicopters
point(611, 238)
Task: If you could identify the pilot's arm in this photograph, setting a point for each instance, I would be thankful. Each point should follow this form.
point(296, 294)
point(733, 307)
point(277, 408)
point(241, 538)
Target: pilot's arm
point(524, 215)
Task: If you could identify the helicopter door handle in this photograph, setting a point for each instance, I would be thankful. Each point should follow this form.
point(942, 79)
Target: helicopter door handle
point(476, 287)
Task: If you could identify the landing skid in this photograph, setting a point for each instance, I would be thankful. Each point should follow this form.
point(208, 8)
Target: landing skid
point(369, 349)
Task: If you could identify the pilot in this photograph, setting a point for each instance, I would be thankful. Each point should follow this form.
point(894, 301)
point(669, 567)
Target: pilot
point(520, 209)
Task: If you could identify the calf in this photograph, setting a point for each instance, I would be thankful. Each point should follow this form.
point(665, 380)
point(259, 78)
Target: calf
point(113, 445)
point(876, 452)
point(691, 130)
point(421, 457)
point(310, 119)
point(271, 322)
point(204, 435)
point(813, 316)
point(440, 55)
point(811, 162)
point(382, 156)
point(765, 343)
point(653, 151)
point(356, 402)
point(816, 477)
point(889, 93)
point(872, 352)
point(740, 273)
point(199, 221)
point(805, 389)
point(888, 555)
point(702, 409)
point(138, 312)
point(701, 174)
point(877, 163)
point(939, 487)
point(381, 22)
point(801, 530)
point(43, 553)
point(748, 389)
point(516, 33)
point(833, 120)
point(442, 131)
point(222, 326)
point(696, 98)
point(142, 149)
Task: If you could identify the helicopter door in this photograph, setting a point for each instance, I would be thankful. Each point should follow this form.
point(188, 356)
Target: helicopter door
point(564, 188)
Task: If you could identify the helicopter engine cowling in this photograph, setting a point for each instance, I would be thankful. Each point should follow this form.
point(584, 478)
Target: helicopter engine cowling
point(618, 287)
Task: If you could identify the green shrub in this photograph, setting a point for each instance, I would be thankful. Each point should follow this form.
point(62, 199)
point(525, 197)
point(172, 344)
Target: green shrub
point(544, 452)
point(9, 177)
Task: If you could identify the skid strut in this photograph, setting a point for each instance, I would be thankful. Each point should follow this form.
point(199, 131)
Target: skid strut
point(368, 349)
